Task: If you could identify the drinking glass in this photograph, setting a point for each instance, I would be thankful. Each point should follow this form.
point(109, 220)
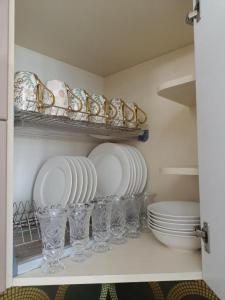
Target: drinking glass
point(79, 220)
point(101, 218)
point(145, 199)
point(132, 215)
point(118, 220)
point(53, 224)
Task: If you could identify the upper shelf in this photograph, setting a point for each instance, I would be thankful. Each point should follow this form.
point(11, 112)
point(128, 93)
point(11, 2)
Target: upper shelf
point(180, 171)
point(181, 90)
point(29, 123)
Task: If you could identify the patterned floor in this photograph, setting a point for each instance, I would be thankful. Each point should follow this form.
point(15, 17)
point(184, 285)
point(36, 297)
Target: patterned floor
point(185, 290)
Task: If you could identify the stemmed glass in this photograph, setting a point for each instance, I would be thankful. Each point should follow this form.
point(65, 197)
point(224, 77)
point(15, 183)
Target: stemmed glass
point(101, 218)
point(79, 220)
point(118, 220)
point(132, 204)
point(53, 224)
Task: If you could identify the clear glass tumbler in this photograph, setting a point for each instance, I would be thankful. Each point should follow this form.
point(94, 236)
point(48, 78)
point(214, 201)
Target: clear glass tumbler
point(132, 215)
point(101, 218)
point(79, 220)
point(145, 199)
point(118, 220)
point(53, 225)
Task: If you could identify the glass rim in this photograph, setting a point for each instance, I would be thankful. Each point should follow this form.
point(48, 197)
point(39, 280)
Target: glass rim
point(50, 211)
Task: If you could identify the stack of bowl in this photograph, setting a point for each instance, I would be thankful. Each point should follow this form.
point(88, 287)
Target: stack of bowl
point(173, 223)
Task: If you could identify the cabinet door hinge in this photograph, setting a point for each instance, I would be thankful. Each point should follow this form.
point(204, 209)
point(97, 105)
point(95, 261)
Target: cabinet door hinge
point(204, 234)
point(194, 14)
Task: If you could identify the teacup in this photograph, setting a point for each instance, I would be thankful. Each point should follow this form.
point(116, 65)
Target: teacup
point(86, 101)
point(132, 114)
point(64, 99)
point(107, 111)
point(28, 92)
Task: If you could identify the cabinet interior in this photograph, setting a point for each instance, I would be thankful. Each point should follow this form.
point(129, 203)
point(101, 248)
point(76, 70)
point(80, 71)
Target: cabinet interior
point(172, 145)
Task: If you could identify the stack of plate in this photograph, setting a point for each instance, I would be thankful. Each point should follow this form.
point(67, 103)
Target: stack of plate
point(65, 180)
point(121, 169)
point(173, 223)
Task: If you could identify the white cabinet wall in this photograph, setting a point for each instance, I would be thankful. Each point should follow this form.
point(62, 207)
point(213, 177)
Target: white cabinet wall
point(145, 259)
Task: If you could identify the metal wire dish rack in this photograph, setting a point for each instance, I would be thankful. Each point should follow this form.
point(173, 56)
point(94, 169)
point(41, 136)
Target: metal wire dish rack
point(26, 231)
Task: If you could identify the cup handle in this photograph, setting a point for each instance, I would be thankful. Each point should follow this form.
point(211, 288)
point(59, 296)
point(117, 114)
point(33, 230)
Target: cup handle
point(70, 97)
point(113, 108)
point(138, 109)
point(42, 86)
point(131, 110)
point(89, 101)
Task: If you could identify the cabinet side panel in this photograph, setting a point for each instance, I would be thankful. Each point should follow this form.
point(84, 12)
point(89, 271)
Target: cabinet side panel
point(3, 163)
point(4, 38)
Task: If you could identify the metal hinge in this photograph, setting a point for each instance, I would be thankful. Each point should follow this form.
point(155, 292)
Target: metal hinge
point(204, 234)
point(194, 14)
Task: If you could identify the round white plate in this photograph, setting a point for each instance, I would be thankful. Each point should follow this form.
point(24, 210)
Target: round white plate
point(53, 183)
point(74, 179)
point(176, 209)
point(144, 172)
point(173, 226)
point(171, 231)
point(137, 170)
point(113, 169)
point(174, 221)
point(89, 180)
point(80, 178)
point(132, 170)
point(94, 177)
point(85, 180)
point(178, 241)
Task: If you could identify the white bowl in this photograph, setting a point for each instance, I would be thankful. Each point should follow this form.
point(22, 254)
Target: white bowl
point(169, 231)
point(174, 221)
point(173, 226)
point(178, 210)
point(178, 242)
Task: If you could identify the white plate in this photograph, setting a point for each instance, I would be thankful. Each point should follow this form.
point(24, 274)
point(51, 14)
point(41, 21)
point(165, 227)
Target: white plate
point(176, 209)
point(170, 231)
point(173, 226)
point(74, 179)
point(137, 168)
point(80, 179)
point(132, 170)
point(89, 180)
point(94, 177)
point(178, 241)
point(113, 169)
point(144, 173)
point(84, 188)
point(174, 221)
point(53, 183)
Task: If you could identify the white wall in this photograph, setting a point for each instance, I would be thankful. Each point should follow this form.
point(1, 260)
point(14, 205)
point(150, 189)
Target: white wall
point(172, 126)
point(48, 68)
point(30, 153)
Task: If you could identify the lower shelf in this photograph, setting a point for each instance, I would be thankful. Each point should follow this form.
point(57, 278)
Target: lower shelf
point(139, 260)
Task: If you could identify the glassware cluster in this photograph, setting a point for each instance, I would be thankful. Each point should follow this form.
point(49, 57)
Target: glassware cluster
point(93, 227)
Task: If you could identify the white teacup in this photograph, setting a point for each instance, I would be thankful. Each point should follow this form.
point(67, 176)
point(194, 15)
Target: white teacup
point(59, 90)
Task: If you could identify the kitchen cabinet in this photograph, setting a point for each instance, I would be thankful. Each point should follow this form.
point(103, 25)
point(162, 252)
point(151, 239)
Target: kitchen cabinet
point(143, 259)
point(3, 201)
point(4, 57)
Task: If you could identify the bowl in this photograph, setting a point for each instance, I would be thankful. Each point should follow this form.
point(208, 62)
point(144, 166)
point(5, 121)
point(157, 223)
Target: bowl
point(174, 221)
point(169, 231)
point(173, 226)
point(178, 241)
point(177, 210)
